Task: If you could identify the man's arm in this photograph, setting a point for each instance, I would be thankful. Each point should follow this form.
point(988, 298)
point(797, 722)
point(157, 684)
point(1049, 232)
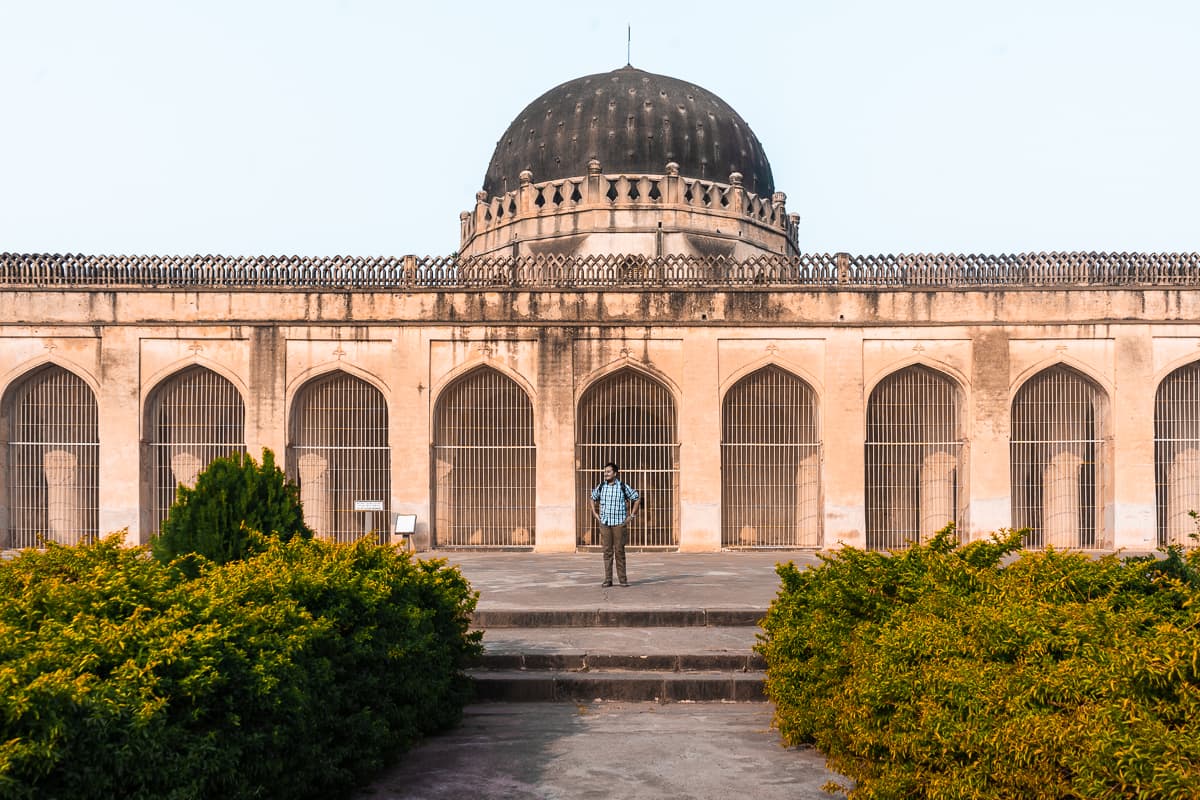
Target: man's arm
point(637, 505)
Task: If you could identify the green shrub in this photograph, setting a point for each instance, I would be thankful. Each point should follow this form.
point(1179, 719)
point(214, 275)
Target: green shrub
point(947, 672)
point(288, 674)
point(232, 496)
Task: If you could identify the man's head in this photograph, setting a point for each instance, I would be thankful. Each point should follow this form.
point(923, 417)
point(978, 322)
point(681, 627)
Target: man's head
point(610, 471)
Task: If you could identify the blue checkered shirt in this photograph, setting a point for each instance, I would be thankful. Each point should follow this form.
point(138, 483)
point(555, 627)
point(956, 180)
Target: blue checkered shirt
point(612, 500)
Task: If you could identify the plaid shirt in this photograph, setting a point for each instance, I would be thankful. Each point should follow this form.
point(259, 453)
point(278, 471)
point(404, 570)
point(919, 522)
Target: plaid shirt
point(612, 500)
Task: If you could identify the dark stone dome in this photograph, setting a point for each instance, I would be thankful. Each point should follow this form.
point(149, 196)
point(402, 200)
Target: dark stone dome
point(633, 122)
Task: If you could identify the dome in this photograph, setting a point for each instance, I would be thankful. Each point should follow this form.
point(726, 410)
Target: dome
point(633, 122)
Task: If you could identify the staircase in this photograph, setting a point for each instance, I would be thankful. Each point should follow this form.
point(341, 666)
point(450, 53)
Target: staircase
point(624, 653)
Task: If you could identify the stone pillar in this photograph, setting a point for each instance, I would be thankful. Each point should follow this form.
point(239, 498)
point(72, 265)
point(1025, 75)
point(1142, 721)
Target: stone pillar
point(737, 194)
point(313, 471)
point(1127, 480)
point(699, 418)
point(61, 468)
point(525, 195)
point(410, 409)
point(124, 482)
point(266, 402)
point(555, 436)
point(808, 501)
point(937, 492)
point(593, 187)
point(185, 468)
point(672, 186)
point(1183, 483)
point(988, 457)
point(1060, 499)
point(844, 432)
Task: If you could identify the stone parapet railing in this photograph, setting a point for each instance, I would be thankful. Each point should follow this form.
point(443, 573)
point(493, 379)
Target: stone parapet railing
point(669, 191)
point(822, 271)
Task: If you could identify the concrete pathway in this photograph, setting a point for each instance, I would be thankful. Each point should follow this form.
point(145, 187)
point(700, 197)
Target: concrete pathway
point(556, 751)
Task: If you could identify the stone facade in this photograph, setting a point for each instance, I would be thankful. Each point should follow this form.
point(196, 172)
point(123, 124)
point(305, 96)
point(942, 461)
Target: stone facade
point(698, 342)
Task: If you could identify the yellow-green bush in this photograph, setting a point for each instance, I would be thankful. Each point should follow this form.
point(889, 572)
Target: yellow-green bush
point(954, 672)
point(288, 674)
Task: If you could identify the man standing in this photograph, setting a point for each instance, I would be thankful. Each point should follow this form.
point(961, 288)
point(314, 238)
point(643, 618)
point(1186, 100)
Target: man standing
point(609, 507)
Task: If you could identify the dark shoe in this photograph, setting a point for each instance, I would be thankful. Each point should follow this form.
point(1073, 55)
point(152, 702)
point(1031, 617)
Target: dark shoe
point(606, 584)
point(625, 584)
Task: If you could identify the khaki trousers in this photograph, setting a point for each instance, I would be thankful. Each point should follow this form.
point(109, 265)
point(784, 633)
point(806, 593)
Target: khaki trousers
point(613, 539)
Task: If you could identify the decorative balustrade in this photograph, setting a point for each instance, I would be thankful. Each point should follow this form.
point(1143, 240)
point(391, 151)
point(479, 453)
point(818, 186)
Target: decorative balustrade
point(411, 273)
point(631, 192)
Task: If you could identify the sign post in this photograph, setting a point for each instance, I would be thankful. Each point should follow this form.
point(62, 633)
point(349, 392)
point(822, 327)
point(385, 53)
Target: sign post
point(368, 506)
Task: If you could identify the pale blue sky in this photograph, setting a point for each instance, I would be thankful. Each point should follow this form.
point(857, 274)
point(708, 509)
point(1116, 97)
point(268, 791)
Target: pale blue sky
point(364, 127)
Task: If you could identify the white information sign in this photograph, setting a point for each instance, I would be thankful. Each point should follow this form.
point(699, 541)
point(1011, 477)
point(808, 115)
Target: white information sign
point(368, 505)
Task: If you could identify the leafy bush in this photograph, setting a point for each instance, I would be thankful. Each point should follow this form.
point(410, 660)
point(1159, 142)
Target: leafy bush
point(946, 671)
point(232, 496)
point(288, 674)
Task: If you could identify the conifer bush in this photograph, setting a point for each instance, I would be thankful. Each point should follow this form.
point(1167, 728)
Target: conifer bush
point(949, 671)
point(232, 496)
point(291, 673)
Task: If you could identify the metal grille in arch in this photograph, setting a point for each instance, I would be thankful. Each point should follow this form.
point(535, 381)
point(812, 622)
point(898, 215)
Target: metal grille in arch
point(340, 457)
point(53, 460)
point(1057, 455)
point(484, 463)
point(915, 461)
point(1177, 456)
point(191, 418)
point(628, 417)
point(770, 462)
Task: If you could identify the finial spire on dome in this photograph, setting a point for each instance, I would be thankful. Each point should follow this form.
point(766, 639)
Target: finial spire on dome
point(628, 44)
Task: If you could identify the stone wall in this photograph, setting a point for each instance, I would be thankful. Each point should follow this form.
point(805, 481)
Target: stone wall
point(555, 343)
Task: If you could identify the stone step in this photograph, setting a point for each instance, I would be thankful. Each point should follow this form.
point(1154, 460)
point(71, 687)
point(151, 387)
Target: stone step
point(616, 617)
point(628, 686)
point(577, 649)
point(581, 662)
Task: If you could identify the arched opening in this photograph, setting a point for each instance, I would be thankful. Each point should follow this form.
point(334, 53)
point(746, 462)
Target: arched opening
point(915, 458)
point(192, 417)
point(629, 418)
point(1057, 459)
point(1177, 456)
point(484, 463)
point(770, 462)
point(53, 455)
point(338, 453)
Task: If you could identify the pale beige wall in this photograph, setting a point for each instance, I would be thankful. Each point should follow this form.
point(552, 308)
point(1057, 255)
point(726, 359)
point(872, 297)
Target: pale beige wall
point(554, 344)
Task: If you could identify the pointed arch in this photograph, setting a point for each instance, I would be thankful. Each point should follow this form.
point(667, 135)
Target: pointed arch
point(628, 416)
point(934, 365)
point(51, 458)
point(915, 457)
point(642, 368)
point(770, 462)
point(153, 382)
point(1177, 455)
point(452, 376)
point(785, 364)
point(484, 462)
point(1059, 458)
point(14, 377)
point(338, 453)
point(327, 368)
point(190, 418)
